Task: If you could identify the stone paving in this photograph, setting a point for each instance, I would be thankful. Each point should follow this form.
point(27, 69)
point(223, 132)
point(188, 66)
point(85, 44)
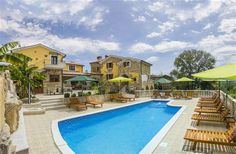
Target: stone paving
point(39, 136)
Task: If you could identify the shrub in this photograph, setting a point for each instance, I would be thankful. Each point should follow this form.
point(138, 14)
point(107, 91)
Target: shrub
point(66, 95)
point(73, 95)
point(88, 93)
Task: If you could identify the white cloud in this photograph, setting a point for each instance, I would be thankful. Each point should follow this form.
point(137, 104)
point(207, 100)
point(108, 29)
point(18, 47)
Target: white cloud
point(69, 12)
point(152, 59)
point(198, 13)
point(29, 33)
point(207, 26)
point(168, 46)
point(140, 47)
point(195, 31)
point(153, 34)
point(168, 26)
point(227, 25)
point(140, 19)
point(162, 47)
point(201, 11)
point(157, 6)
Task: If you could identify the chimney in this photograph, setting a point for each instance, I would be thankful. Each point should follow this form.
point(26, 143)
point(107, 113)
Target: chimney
point(99, 57)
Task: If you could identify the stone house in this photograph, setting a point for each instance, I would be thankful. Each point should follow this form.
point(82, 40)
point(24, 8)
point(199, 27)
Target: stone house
point(113, 66)
point(50, 62)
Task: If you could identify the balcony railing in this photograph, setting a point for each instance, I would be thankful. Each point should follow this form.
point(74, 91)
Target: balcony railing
point(60, 65)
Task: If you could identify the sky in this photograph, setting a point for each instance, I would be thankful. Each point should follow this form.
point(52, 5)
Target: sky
point(155, 31)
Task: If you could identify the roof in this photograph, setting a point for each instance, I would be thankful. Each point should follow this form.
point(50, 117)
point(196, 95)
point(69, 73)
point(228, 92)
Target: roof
point(121, 57)
point(72, 62)
point(41, 45)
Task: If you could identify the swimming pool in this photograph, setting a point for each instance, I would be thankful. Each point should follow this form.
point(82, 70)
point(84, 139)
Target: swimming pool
point(121, 130)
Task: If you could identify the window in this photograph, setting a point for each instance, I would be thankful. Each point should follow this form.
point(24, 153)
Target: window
point(54, 78)
point(71, 67)
point(109, 65)
point(54, 60)
point(126, 64)
point(109, 76)
point(98, 68)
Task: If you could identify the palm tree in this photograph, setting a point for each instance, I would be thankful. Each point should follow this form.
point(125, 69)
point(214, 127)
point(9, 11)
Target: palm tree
point(26, 77)
point(6, 54)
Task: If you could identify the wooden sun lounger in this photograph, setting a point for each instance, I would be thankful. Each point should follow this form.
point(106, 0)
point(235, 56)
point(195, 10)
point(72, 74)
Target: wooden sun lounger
point(217, 102)
point(208, 101)
point(222, 117)
point(211, 137)
point(156, 94)
point(209, 98)
point(120, 99)
point(93, 102)
point(177, 94)
point(218, 109)
point(167, 94)
point(128, 97)
point(75, 103)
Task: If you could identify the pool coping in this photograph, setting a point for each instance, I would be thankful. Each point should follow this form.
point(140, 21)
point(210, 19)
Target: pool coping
point(149, 147)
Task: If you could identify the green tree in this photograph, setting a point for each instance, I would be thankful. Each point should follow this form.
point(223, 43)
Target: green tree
point(6, 54)
point(25, 76)
point(192, 61)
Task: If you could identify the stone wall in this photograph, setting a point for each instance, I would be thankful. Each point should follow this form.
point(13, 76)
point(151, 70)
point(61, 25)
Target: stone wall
point(52, 87)
point(6, 146)
point(2, 102)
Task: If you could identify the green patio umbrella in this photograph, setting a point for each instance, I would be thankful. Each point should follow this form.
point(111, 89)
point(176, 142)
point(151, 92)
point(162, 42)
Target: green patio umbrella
point(162, 81)
point(222, 73)
point(119, 80)
point(225, 72)
point(80, 78)
point(184, 79)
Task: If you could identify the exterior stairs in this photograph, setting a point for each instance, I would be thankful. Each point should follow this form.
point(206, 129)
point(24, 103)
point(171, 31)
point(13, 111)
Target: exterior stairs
point(52, 103)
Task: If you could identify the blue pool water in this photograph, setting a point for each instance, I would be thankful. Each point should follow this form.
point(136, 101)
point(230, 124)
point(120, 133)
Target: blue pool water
point(120, 131)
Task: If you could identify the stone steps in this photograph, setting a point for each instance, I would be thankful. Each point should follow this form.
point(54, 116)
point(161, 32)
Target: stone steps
point(52, 103)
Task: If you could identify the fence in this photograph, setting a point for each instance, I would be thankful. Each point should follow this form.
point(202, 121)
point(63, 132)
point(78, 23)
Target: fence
point(229, 102)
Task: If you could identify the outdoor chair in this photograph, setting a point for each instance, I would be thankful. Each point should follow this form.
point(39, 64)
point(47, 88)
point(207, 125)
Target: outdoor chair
point(93, 101)
point(129, 97)
point(216, 109)
point(211, 137)
point(156, 94)
point(215, 104)
point(209, 98)
point(209, 101)
point(223, 117)
point(177, 94)
point(167, 94)
point(75, 103)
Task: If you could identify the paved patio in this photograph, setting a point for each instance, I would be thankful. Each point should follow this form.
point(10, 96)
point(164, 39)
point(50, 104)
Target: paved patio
point(38, 128)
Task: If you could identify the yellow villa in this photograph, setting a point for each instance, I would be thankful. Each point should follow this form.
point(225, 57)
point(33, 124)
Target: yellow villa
point(51, 63)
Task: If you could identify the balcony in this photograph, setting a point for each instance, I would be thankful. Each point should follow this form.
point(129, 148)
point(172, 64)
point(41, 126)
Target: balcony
point(59, 65)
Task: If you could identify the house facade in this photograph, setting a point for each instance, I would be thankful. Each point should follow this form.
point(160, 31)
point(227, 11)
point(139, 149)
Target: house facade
point(114, 66)
point(50, 62)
